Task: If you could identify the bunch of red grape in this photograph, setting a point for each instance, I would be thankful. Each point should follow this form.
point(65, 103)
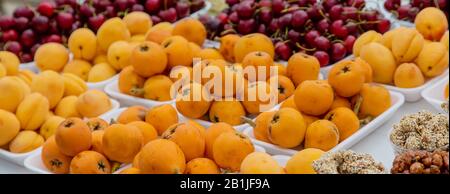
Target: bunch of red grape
point(326, 30)
point(53, 21)
point(409, 11)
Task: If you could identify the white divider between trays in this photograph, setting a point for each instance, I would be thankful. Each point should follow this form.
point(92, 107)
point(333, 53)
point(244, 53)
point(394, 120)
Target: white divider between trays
point(397, 100)
point(29, 66)
point(101, 85)
point(19, 158)
point(112, 89)
point(281, 159)
point(434, 94)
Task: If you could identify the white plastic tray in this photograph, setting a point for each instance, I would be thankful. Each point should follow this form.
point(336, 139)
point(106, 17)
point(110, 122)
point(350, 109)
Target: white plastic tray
point(91, 85)
point(18, 158)
point(101, 85)
point(29, 66)
point(411, 94)
point(435, 94)
point(397, 101)
point(414, 94)
point(33, 162)
point(281, 159)
point(126, 100)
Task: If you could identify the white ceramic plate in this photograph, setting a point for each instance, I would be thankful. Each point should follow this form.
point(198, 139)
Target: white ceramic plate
point(435, 94)
point(397, 101)
point(19, 158)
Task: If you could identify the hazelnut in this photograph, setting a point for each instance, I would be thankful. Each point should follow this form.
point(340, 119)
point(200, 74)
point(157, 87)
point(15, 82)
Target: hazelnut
point(416, 168)
point(446, 161)
point(437, 160)
point(435, 169)
point(427, 161)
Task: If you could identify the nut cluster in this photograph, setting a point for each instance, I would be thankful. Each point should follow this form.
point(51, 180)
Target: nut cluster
point(347, 162)
point(421, 131)
point(421, 162)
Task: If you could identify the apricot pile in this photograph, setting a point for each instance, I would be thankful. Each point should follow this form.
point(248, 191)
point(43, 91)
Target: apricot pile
point(162, 65)
point(34, 105)
point(322, 113)
point(96, 57)
point(75, 148)
point(407, 57)
point(181, 148)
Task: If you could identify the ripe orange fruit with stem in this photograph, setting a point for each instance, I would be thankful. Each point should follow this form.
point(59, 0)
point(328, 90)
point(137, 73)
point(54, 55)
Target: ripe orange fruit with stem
point(314, 97)
point(322, 134)
point(302, 67)
point(346, 121)
point(132, 113)
point(162, 156)
point(214, 131)
point(191, 29)
point(130, 82)
point(121, 142)
point(53, 159)
point(73, 136)
point(162, 117)
point(228, 111)
point(193, 101)
point(343, 73)
point(89, 162)
point(230, 149)
point(202, 166)
point(145, 52)
point(258, 60)
point(285, 87)
point(287, 128)
point(188, 137)
point(251, 43)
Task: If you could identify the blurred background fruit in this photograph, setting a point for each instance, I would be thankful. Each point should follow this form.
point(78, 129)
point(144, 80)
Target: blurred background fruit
point(407, 11)
point(33, 23)
point(325, 29)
